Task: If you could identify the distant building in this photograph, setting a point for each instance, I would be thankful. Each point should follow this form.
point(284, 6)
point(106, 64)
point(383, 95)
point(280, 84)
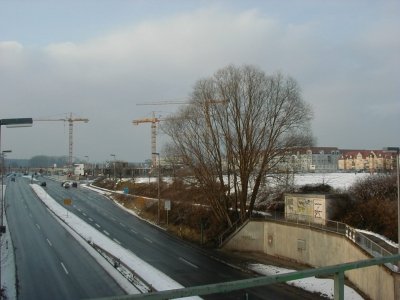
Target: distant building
point(79, 169)
point(373, 161)
point(316, 159)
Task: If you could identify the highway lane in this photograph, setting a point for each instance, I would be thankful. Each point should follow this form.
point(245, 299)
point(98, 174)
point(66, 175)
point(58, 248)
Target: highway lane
point(181, 261)
point(50, 263)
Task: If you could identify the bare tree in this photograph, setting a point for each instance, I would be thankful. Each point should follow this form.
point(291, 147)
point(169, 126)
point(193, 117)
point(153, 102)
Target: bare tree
point(238, 128)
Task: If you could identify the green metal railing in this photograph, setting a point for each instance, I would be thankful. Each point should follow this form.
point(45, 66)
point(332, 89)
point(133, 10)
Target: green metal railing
point(337, 271)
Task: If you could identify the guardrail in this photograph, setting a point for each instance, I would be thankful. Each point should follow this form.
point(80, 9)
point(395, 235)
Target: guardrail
point(337, 271)
point(137, 281)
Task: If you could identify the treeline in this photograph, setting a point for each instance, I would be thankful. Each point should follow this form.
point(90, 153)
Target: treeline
point(39, 161)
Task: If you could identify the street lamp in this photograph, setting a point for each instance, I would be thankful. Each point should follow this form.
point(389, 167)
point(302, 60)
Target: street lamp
point(397, 149)
point(113, 164)
point(2, 227)
point(17, 122)
point(159, 176)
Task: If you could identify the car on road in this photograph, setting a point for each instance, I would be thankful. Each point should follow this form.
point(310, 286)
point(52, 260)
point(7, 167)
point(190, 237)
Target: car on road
point(75, 184)
point(12, 178)
point(66, 184)
point(43, 183)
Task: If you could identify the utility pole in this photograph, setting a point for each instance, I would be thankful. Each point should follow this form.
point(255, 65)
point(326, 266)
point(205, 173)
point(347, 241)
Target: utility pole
point(159, 179)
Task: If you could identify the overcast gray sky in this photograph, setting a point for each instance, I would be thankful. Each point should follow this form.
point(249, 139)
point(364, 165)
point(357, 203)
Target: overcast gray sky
point(98, 59)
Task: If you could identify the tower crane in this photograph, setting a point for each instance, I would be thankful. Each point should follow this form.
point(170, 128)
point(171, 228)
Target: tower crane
point(70, 121)
point(153, 122)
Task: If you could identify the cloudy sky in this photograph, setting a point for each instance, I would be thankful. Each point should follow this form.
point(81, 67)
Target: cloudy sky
point(98, 59)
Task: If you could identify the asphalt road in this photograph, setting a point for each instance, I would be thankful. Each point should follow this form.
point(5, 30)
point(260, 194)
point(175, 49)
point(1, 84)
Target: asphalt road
point(50, 263)
point(185, 263)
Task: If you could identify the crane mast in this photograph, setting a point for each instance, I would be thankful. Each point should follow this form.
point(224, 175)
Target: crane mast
point(153, 122)
point(70, 121)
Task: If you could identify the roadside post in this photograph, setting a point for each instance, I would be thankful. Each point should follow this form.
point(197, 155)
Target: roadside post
point(167, 206)
point(67, 201)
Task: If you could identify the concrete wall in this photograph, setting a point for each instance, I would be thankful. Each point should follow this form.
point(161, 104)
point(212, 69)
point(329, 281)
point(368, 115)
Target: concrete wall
point(315, 248)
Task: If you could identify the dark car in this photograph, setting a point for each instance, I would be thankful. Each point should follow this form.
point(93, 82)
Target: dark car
point(66, 184)
point(12, 178)
point(43, 183)
point(75, 184)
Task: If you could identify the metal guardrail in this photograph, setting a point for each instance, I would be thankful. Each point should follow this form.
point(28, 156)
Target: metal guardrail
point(337, 271)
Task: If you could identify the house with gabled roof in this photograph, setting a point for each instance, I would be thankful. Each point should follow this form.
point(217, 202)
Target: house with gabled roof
point(373, 161)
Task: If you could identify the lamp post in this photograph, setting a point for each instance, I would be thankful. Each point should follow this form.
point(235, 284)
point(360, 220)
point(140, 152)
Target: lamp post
point(2, 227)
point(17, 122)
point(113, 164)
point(397, 149)
point(158, 186)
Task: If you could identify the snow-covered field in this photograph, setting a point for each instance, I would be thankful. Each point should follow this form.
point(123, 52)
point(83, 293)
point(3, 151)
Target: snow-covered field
point(336, 180)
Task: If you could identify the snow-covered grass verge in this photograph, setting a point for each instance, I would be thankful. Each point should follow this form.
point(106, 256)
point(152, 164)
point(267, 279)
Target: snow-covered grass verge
point(158, 280)
point(7, 264)
point(324, 287)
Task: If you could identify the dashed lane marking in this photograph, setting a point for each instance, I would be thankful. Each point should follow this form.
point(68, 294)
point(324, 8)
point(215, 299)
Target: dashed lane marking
point(188, 263)
point(65, 269)
point(147, 239)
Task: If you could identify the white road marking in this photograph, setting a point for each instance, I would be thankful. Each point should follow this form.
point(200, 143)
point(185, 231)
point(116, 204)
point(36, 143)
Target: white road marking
point(134, 231)
point(65, 269)
point(188, 263)
point(84, 214)
point(79, 209)
point(97, 225)
point(51, 245)
point(37, 225)
point(122, 224)
point(147, 239)
point(90, 219)
point(118, 242)
point(106, 232)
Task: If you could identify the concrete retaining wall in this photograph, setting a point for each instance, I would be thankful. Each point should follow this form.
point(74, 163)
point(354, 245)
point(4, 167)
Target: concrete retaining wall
point(315, 248)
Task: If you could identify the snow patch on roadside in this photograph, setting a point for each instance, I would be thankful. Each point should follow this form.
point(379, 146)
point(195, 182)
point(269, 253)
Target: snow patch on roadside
point(315, 285)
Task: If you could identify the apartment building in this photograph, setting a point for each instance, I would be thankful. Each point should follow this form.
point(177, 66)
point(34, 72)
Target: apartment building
point(316, 159)
point(373, 161)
